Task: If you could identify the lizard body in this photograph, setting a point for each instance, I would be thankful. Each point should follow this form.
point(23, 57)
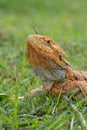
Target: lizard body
point(49, 63)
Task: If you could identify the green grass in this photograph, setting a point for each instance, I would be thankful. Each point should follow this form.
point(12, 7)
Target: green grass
point(66, 23)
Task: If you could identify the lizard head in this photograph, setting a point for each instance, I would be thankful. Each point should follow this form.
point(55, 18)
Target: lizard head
point(46, 57)
point(44, 46)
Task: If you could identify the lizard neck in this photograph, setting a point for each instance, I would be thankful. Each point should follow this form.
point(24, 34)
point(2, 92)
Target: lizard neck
point(49, 76)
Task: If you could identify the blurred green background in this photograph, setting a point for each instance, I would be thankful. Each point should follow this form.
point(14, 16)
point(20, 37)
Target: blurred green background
point(65, 21)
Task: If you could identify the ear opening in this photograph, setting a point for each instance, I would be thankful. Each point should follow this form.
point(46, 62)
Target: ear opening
point(60, 57)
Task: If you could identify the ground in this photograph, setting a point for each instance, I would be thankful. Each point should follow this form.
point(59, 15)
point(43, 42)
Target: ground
point(66, 23)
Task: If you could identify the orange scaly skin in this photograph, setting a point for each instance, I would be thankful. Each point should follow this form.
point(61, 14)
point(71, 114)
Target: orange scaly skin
point(49, 63)
point(75, 82)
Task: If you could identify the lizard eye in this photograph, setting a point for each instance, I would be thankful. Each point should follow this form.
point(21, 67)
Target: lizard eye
point(60, 57)
point(48, 41)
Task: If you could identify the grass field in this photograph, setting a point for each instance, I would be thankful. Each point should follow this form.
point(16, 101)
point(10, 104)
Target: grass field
point(66, 23)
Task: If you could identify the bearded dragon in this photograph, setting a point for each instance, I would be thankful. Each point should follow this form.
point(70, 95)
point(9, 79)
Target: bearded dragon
point(48, 61)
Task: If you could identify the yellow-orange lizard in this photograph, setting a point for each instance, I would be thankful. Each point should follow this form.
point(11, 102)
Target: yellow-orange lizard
point(48, 61)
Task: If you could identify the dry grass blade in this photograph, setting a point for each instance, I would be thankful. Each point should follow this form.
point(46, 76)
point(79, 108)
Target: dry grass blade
point(35, 30)
point(72, 123)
